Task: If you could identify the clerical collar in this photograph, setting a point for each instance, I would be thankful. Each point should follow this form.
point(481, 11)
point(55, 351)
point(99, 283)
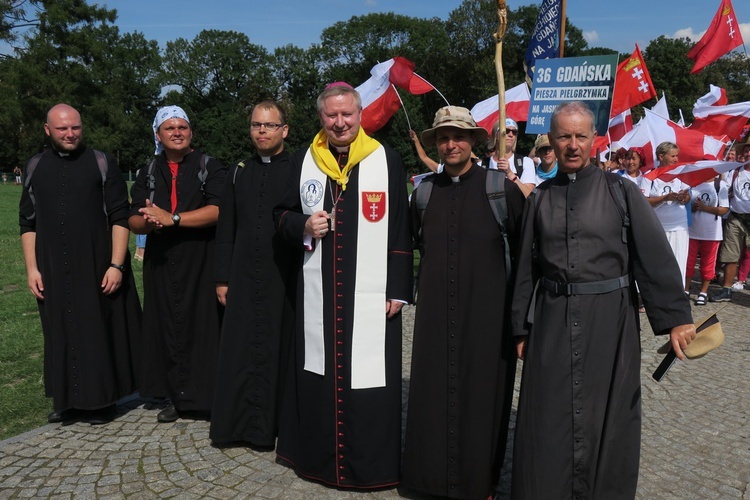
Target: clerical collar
point(572, 176)
point(456, 178)
point(265, 159)
point(339, 149)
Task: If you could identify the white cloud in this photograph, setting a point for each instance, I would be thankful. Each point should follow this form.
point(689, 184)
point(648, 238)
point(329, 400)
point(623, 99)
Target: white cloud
point(591, 36)
point(694, 37)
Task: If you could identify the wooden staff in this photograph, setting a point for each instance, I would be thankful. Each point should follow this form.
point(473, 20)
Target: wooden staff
point(502, 15)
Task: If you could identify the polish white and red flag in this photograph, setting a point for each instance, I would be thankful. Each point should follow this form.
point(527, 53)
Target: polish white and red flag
point(620, 125)
point(693, 173)
point(517, 100)
point(716, 96)
point(653, 129)
point(722, 122)
point(380, 100)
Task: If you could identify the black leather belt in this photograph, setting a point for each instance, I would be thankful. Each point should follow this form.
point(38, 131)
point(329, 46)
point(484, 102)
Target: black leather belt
point(587, 288)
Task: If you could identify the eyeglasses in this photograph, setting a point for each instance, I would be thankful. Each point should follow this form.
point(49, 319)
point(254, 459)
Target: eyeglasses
point(269, 126)
point(511, 131)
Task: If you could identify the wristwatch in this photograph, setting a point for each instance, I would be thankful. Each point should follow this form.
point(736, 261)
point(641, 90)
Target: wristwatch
point(176, 219)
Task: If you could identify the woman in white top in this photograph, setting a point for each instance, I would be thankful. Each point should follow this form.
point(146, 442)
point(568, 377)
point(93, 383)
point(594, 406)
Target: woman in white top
point(635, 158)
point(668, 200)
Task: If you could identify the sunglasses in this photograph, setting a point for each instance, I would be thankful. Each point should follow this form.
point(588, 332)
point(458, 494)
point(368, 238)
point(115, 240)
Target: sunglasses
point(511, 131)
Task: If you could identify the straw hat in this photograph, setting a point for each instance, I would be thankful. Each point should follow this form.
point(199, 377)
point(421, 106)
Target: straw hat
point(709, 337)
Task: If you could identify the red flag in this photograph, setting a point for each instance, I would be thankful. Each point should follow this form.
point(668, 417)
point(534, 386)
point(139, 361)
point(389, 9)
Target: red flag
point(722, 36)
point(379, 97)
point(632, 84)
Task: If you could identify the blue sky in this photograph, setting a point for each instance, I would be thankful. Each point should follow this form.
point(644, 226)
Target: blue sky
point(616, 25)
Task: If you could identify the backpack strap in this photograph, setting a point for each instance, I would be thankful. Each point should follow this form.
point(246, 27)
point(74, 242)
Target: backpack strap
point(495, 188)
point(422, 197)
point(518, 160)
point(203, 172)
point(33, 162)
point(151, 180)
point(617, 191)
point(101, 162)
point(240, 166)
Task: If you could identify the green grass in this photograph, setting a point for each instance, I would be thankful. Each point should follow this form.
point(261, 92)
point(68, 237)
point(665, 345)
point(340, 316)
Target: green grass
point(22, 403)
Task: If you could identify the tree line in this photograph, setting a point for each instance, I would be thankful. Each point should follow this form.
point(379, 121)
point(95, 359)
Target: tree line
point(72, 51)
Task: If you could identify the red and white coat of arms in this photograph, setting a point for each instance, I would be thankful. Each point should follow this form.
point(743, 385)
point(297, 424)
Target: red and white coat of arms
point(373, 205)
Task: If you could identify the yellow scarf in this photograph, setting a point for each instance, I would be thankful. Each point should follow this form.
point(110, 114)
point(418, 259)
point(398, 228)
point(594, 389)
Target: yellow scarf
point(360, 149)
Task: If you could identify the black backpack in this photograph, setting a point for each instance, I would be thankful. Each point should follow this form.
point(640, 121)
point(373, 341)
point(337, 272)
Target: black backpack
point(495, 188)
point(151, 180)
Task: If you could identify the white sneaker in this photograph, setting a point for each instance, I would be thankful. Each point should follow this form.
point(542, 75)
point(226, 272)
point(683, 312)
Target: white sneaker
point(738, 285)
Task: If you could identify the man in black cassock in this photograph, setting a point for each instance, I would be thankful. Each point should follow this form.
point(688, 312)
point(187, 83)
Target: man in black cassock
point(463, 358)
point(341, 411)
point(575, 318)
point(73, 217)
point(181, 314)
point(253, 268)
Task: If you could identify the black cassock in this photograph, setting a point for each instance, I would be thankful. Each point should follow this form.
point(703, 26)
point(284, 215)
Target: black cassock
point(463, 359)
point(181, 315)
point(90, 339)
point(330, 432)
point(579, 419)
point(256, 333)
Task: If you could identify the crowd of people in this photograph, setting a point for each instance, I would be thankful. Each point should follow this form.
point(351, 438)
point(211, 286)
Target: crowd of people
point(273, 293)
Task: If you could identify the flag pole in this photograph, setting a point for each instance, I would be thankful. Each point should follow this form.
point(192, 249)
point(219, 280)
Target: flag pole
point(502, 15)
point(408, 122)
point(434, 87)
point(562, 29)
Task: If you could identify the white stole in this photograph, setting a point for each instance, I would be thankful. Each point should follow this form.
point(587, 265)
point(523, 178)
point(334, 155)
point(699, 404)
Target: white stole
point(368, 335)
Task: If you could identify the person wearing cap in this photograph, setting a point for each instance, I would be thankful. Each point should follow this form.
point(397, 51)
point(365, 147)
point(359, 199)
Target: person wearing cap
point(346, 207)
point(175, 201)
point(254, 267)
point(505, 158)
point(547, 168)
point(463, 362)
point(575, 320)
point(73, 217)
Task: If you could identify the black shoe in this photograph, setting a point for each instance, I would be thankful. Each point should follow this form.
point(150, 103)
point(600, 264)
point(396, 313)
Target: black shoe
point(56, 417)
point(168, 414)
point(101, 416)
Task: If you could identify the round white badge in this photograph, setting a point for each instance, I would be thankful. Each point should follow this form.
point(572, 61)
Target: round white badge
point(311, 192)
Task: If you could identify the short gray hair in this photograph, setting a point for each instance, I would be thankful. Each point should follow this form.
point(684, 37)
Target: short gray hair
point(338, 89)
point(572, 108)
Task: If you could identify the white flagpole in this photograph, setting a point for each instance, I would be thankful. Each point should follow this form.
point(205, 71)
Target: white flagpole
point(434, 87)
point(408, 122)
